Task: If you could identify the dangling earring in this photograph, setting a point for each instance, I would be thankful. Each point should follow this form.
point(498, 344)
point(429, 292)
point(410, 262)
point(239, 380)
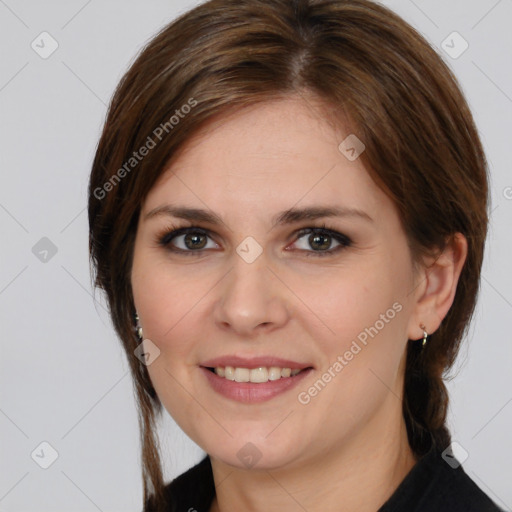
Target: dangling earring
point(138, 328)
point(425, 335)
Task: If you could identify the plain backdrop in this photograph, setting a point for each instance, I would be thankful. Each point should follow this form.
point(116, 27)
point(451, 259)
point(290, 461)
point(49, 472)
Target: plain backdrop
point(64, 378)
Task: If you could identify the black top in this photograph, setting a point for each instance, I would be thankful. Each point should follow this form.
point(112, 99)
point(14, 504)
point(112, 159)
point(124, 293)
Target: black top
point(432, 485)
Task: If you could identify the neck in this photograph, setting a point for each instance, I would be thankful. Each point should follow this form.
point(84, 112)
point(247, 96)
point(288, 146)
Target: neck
point(358, 475)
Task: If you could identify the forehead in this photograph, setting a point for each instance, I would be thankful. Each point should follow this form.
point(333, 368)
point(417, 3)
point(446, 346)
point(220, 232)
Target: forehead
point(266, 157)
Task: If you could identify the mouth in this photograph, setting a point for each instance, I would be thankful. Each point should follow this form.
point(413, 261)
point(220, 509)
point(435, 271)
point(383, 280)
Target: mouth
point(253, 385)
point(258, 375)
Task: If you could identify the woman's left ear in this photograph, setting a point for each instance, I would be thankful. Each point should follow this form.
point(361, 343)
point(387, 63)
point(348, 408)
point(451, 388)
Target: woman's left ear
point(436, 285)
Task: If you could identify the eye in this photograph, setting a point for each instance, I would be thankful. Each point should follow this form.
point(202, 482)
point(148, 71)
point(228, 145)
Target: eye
point(185, 240)
point(191, 241)
point(321, 241)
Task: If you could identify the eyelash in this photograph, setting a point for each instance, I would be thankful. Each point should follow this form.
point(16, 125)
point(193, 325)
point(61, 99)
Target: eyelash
point(165, 238)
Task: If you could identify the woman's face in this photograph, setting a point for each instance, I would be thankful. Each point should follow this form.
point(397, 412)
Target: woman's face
point(251, 285)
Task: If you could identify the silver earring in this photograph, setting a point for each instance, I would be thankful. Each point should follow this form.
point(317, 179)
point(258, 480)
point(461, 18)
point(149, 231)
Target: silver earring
point(138, 328)
point(425, 335)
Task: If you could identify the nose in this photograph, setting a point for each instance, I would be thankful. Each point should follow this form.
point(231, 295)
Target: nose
point(251, 299)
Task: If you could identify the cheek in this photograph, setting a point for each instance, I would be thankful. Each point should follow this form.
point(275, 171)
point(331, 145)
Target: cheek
point(166, 298)
point(168, 302)
point(362, 334)
point(374, 326)
point(347, 300)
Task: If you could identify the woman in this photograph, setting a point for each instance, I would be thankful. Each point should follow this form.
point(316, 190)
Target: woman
point(288, 210)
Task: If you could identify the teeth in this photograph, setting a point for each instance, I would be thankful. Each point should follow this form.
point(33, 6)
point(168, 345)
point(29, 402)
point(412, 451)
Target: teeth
point(260, 374)
point(242, 375)
point(274, 373)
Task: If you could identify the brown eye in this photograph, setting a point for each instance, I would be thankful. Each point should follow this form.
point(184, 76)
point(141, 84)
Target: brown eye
point(321, 240)
point(186, 240)
point(195, 240)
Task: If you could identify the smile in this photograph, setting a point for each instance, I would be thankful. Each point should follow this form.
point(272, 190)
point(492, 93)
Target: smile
point(268, 383)
point(257, 375)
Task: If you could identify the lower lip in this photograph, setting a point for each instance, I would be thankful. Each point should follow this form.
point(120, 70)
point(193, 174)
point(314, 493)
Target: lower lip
point(251, 392)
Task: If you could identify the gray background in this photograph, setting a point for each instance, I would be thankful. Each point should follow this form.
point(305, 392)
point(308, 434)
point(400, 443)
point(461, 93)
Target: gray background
point(64, 379)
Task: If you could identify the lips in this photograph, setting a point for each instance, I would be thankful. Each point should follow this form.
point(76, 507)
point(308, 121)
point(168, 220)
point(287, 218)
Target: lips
point(249, 392)
point(255, 362)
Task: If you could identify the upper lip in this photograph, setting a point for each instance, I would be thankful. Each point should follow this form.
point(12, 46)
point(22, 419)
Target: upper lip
point(254, 362)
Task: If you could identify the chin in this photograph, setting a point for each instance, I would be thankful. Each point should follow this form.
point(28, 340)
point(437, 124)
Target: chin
point(255, 452)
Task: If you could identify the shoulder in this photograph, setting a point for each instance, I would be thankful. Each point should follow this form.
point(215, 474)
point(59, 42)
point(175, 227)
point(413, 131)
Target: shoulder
point(457, 491)
point(432, 484)
point(435, 484)
point(192, 491)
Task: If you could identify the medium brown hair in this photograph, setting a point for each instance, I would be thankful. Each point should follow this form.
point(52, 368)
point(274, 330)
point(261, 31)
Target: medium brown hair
point(372, 69)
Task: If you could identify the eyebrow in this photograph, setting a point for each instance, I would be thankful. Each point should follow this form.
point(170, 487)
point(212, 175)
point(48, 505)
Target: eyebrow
point(290, 216)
